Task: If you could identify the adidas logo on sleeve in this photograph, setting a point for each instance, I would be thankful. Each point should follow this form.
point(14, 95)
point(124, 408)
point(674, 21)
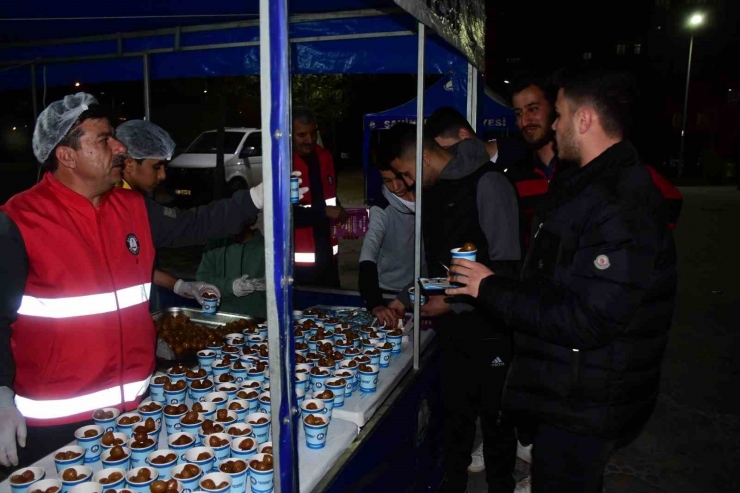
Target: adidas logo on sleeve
point(497, 362)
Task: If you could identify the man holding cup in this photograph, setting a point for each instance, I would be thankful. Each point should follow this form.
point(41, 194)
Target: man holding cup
point(592, 309)
point(465, 201)
point(76, 334)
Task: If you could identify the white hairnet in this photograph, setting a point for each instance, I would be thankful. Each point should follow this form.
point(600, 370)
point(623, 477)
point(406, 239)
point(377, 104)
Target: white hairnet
point(54, 122)
point(145, 140)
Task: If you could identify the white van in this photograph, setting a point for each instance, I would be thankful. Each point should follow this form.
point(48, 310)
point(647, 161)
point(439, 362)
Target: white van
point(190, 175)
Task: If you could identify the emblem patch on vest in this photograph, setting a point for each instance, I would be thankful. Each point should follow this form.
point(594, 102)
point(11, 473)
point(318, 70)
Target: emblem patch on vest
point(602, 262)
point(330, 180)
point(132, 243)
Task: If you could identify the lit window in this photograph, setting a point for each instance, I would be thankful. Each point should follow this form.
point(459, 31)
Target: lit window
point(587, 55)
point(621, 49)
point(638, 49)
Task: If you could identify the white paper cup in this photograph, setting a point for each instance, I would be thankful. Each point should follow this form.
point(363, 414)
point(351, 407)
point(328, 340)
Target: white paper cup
point(218, 478)
point(262, 481)
point(456, 253)
point(77, 461)
point(67, 485)
point(38, 475)
point(105, 473)
point(140, 487)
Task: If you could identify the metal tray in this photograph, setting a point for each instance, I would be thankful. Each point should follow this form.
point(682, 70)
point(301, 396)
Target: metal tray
point(220, 318)
point(165, 355)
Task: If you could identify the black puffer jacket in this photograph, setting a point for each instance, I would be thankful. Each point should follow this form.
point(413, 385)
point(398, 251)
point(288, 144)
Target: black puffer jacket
point(592, 310)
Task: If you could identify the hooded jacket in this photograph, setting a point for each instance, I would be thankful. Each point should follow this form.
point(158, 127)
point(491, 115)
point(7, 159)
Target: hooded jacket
point(471, 202)
point(592, 310)
point(387, 256)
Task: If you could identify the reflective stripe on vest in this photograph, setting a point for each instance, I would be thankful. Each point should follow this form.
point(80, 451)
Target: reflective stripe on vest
point(78, 306)
point(60, 408)
point(331, 202)
point(310, 257)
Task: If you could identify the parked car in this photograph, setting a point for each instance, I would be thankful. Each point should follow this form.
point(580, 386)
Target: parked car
point(190, 176)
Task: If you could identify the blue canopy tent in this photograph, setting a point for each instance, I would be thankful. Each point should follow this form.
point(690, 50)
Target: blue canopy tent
point(159, 39)
point(93, 42)
point(494, 118)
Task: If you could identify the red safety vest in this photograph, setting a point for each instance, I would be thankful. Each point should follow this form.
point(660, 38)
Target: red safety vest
point(305, 248)
point(84, 337)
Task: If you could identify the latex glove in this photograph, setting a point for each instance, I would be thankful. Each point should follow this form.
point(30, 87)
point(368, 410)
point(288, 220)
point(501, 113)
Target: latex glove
point(258, 193)
point(259, 284)
point(12, 429)
point(195, 290)
point(243, 286)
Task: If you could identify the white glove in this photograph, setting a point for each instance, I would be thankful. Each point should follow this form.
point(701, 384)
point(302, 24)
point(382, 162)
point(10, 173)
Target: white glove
point(12, 428)
point(195, 289)
point(258, 194)
point(259, 284)
point(245, 286)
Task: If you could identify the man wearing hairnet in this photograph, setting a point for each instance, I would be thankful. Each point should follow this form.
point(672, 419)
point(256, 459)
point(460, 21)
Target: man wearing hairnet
point(76, 334)
point(148, 148)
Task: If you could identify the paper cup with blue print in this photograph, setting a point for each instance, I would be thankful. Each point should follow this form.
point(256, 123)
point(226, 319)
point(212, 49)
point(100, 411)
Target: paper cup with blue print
point(142, 487)
point(189, 484)
point(316, 431)
point(156, 458)
point(261, 430)
point(261, 481)
point(21, 480)
point(76, 451)
point(238, 479)
point(119, 463)
point(244, 447)
point(368, 379)
point(106, 418)
point(102, 477)
point(83, 474)
point(91, 443)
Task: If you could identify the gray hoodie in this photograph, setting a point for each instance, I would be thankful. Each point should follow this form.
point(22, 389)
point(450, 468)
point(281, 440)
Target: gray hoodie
point(498, 209)
point(389, 243)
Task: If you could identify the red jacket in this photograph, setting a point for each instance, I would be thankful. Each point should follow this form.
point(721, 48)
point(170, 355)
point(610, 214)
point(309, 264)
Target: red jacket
point(84, 338)
point(305, 248)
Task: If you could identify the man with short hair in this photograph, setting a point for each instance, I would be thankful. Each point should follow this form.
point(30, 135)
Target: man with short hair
point(592, 309)
point(315, 249)
point(387, 256)
point(465, 202)
point(76, 334)
point(148, 149)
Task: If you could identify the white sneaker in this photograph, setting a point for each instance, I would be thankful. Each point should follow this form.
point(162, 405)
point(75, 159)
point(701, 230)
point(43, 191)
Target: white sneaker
point(524, 486)
point(477, 465)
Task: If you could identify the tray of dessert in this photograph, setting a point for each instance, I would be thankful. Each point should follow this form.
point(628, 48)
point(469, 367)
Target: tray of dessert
point(182, 332)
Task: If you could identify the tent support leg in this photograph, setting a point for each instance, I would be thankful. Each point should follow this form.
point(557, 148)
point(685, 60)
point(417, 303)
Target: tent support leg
point(419, 170)
point(275, 95)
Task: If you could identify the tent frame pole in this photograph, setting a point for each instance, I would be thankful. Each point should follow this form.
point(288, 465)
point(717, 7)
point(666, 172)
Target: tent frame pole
point(276, 98)
point(472, 96)
point(419, 170)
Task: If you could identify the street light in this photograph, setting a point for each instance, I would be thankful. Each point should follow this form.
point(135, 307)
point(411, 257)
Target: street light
point(695, 21)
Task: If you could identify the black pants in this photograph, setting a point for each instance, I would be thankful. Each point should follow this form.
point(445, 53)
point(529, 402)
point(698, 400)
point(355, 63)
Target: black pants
point(566, 461)
point(472, 381)
point(43, 440)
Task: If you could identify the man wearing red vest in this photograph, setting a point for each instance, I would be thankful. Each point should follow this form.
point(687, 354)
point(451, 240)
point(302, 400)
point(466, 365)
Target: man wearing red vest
point(75, 273)
point(315, 248)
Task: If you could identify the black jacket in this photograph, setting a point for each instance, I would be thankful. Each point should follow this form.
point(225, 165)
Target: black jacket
point(593, 307)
